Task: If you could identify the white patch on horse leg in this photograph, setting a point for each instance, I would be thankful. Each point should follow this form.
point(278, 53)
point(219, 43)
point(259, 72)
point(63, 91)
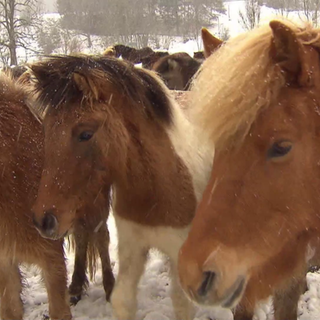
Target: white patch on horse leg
point(132, 258)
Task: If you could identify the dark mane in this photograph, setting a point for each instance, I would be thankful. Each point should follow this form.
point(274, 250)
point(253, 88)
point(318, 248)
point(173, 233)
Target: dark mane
point(55, 84)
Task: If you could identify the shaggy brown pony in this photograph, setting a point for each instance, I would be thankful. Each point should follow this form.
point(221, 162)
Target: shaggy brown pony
point(260, 211)
point(89, 238)
point(21, 162)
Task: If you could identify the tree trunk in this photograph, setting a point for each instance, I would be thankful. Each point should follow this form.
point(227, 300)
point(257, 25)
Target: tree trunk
point(11, 32)
point(13, 56)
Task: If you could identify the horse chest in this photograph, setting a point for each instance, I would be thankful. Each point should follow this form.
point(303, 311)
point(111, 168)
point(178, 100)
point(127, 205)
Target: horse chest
point(166, 239)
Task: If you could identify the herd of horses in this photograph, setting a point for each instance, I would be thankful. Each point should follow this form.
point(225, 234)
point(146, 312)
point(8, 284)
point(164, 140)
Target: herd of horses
point(225, 183)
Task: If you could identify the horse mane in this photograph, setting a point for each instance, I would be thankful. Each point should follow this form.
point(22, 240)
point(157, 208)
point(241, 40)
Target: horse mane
point(239, 81)
point(56, 84)
point(10, 90)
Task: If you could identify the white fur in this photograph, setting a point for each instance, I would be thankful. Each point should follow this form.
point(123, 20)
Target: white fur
point(134, 242)
point(197, 155)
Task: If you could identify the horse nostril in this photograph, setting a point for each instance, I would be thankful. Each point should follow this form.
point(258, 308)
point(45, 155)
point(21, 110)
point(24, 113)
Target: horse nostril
point(208, 279)
point(49, 221)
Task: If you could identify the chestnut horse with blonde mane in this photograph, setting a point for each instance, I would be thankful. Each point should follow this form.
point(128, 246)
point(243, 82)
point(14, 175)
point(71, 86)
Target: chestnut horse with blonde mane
point(259, 214)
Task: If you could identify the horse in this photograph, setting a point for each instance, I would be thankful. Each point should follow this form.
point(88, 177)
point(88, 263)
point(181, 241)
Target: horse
point(111, 113)
point(21, 161)
point(89, 237)
point(257, 224)
point(105, 116)
point(177, 70)
point(128, 53)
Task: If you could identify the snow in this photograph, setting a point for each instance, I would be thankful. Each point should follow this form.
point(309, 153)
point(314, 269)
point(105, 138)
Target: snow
point(154, 301)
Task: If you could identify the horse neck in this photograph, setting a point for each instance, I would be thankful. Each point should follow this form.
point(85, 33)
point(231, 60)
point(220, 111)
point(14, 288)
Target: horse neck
point(157, 189)
point(191, 70)
point(196, 155)
point(20, 160)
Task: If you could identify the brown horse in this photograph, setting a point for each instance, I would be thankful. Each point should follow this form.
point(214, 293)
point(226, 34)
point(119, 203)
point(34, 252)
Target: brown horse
point(128, 53)
point(105, 116)
point(21, 161)
point(260, 211)
point(89, 237)
point(177, 70)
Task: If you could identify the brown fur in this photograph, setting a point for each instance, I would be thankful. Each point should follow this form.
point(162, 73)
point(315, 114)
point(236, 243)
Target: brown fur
point(151, 59)
point(259, 212)
point(199, 55)
point(177, 70)
point(21, 161)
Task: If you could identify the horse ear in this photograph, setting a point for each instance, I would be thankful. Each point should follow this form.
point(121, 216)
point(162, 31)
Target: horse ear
point(286, 50)
point(110, 51)
point(210, 43)
point(86, 86)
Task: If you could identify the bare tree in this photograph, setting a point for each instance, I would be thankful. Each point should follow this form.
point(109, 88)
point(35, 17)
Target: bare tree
point(310, 10)
point(250, 17)
point(19, 20)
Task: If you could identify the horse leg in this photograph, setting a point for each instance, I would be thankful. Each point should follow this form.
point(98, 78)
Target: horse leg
point(285, 301)
point(183, 308)
point(55, 277)
point(243, 311)
point(132, 258)
point(10, 290)
point(79, 278)
point(101, 241)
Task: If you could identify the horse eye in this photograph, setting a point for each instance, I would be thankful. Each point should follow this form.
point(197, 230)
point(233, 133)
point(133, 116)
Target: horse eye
point(85, 136)
point(279, 149)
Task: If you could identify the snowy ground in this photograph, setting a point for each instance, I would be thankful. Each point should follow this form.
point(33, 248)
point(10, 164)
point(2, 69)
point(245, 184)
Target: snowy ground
point(154, 299)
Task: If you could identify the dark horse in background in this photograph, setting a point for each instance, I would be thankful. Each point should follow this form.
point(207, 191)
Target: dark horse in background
point(177, 70)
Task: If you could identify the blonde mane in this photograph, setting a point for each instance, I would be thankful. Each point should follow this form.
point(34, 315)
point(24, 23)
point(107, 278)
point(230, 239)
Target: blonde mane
point(239, 81)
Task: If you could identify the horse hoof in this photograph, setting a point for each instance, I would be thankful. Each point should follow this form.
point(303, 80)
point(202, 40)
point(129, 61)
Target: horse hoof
point(74, 300)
